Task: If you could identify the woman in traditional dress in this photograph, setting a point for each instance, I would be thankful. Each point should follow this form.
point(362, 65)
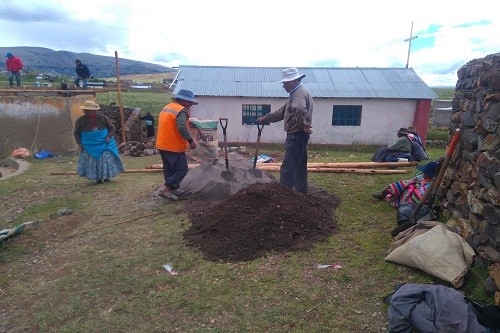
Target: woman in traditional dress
point(99, 159)
point(411, 190)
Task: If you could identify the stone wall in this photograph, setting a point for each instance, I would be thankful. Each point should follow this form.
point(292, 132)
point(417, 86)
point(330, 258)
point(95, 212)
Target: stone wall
point(470, 192)
point(132, 123)
point(441, 113)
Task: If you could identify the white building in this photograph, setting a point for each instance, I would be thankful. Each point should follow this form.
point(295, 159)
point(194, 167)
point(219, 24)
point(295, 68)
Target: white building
point(351, 105)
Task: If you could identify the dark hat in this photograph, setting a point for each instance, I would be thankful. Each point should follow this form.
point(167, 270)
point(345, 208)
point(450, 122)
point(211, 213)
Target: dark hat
point(403, 130)
point(9, 55)
point(77, 60)
point(429, 169)
point(186, 95)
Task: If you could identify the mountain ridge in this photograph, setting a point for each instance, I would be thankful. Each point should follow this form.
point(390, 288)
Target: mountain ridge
point(45, 60)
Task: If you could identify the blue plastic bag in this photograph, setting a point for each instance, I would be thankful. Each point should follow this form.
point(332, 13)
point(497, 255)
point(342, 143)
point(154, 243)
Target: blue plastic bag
point(43, 154)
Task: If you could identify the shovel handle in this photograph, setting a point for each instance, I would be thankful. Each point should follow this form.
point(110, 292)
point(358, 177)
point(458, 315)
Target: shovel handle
point(223, 124)
point(260, 127)
point(436, 182)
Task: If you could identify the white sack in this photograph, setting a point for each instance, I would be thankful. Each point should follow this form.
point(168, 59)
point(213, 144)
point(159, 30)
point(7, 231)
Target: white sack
point(439, 252)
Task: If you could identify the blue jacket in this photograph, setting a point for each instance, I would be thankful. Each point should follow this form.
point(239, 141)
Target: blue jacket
point(82, 71)
point(431, 309)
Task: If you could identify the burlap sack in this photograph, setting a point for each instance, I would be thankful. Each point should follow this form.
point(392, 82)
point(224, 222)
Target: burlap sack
point(438, 251)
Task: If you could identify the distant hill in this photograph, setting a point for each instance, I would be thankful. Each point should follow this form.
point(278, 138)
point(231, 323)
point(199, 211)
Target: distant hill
point(43, 60)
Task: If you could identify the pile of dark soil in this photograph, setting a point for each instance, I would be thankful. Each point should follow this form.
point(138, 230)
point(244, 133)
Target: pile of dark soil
point(260, 219)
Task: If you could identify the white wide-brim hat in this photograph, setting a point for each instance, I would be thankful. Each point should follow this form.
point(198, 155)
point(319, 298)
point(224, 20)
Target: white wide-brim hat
point(90, 105)
point(290, 74)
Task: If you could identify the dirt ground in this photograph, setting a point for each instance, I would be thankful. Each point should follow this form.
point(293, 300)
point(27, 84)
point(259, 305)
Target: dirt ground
point(252, 214)
point(259, 219)
point(231, 218)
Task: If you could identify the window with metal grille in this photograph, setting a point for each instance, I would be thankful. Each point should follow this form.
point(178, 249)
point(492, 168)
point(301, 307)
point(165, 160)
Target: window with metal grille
point(250, 113)
point(346, 115)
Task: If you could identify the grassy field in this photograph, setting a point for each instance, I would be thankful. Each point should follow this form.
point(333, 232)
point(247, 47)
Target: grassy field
point(59, 277)
point(444, 93)
point(99, 269)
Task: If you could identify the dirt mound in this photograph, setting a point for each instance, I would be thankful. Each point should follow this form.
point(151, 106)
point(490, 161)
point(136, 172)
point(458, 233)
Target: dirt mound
point(211, 181)
point(260, 219)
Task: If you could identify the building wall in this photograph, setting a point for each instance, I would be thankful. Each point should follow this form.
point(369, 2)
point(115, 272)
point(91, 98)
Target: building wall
point(39, 122)
point(379, 123)
point(441, 113)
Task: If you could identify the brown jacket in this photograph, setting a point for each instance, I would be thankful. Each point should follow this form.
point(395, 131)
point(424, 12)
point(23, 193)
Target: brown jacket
point(296, 112)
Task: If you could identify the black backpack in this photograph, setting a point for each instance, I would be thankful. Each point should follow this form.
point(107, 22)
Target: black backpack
point(488, 316)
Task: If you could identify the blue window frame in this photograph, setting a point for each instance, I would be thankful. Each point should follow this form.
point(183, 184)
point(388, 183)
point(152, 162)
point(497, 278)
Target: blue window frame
point(346, 115)
point(250, 113)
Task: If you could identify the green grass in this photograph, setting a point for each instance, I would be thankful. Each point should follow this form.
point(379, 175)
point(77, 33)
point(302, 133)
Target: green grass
point(111, 280)
point(444, 93)
point(438, 134)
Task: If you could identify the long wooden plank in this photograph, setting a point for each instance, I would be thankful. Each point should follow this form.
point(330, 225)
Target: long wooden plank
point(358, 165)
point(344, 170)
point(340, 165)
point(325, 170)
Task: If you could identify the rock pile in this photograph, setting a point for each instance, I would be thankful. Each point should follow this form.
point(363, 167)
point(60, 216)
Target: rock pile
point(133, 126)
point(137, 148)
point(470, 192)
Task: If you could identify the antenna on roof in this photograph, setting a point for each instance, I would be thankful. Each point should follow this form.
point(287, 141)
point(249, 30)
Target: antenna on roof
point(409, 45)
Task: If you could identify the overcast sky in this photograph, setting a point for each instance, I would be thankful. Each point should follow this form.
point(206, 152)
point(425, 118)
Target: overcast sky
point(312, 33)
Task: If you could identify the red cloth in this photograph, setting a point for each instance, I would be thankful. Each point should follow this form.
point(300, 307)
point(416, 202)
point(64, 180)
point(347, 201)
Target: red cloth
point(14, 64)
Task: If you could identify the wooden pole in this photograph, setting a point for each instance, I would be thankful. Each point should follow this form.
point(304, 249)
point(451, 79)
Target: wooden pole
point(270, 169)
point(340, 170)
point(336, 165)
point(358, 165)
point(120, 103)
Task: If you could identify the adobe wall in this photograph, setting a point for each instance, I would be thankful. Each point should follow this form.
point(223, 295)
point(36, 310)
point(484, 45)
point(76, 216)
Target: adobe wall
point(39, 121)
point(470, 192)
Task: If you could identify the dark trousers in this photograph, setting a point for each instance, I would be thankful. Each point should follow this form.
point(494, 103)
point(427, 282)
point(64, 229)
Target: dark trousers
point(11, 78)
point(151, 130)
point(293, 172)
point(175, 168)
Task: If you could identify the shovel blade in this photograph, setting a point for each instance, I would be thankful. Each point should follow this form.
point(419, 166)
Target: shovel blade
point(227, 175)
point(254, 173)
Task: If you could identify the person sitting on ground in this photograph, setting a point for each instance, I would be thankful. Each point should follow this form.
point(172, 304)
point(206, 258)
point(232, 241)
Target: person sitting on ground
point(99, 159)
point(401, 148)
point(411, 190)
point(417, 147)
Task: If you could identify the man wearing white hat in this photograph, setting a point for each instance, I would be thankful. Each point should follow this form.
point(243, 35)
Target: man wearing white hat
point(296, 114)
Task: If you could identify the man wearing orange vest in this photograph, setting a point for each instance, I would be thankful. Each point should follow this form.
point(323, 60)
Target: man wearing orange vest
point(173, 140)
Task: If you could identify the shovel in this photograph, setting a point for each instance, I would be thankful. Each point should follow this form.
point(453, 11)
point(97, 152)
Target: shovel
point(433, 187)
point(256, 172)
point(226, 174)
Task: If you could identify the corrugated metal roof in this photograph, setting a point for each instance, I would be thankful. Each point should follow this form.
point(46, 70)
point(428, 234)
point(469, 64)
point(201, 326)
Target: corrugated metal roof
point(333, 82)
